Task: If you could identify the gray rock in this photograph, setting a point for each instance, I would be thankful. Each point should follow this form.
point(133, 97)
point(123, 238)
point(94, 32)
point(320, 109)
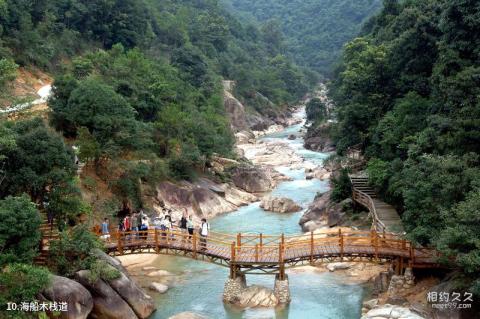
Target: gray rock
point(251, 179)
point(107, 303)
point(160, 288)
point(279, 205)
point(391, 312)
point(137, 299)
point(338, 266)
point(79, 299)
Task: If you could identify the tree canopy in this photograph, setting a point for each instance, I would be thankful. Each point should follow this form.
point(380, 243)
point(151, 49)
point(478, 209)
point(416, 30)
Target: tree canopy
point(407, 92)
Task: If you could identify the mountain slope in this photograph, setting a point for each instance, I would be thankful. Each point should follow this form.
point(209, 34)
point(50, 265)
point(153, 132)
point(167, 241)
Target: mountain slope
point(315, 30)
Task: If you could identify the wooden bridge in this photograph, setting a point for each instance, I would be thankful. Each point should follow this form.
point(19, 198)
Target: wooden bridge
point(264, 254)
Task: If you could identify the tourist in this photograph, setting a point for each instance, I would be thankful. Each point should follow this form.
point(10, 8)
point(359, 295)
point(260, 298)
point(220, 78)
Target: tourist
point(190, 227)
point(166, 226)
point(183, 225)
point(144, 227)
point(204, 229)
point(105, 230)
point(135, 224)
point(126, 223)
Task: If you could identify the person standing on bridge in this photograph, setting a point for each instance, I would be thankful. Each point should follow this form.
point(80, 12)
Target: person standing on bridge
point(190, 227)
point(204, 229)
point(105, 230)
point(183, 225)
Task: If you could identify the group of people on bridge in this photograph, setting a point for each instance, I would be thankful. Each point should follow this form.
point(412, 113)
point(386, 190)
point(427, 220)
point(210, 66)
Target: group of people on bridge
point(136, 226)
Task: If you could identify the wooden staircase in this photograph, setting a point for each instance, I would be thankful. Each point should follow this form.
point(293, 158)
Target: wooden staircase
point(49, 232)
point(385, 216)
point(361, 184)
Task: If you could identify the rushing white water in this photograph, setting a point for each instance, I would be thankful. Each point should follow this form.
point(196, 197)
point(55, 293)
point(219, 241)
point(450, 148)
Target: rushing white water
point(314, 295)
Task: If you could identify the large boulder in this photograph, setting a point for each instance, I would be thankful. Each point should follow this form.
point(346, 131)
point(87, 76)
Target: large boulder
point(279, 205)
point(107, 303)
point(79, 299)
point(251, 179)
point(137, 299)
point(256, 296)
point(391, 312)
point(316, 212)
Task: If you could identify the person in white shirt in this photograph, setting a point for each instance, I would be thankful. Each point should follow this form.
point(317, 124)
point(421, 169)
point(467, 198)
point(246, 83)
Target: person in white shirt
point(204, 229)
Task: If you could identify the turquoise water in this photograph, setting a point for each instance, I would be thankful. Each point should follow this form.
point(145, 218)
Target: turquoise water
point(315, 295)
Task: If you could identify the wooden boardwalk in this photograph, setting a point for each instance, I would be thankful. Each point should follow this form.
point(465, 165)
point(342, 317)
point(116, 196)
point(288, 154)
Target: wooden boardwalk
point(385, 217)
point(263, 254)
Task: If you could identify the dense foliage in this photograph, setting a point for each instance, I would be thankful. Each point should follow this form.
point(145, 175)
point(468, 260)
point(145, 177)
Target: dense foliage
point(407, 92)
point(73, 251)
point(315, 30)
point(21, 283)
point(19, 233)
point(138, 88)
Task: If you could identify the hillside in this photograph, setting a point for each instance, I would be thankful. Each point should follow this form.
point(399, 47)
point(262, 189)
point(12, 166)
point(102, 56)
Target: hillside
point(407, 94)
point(137, 88)
point(314, 30)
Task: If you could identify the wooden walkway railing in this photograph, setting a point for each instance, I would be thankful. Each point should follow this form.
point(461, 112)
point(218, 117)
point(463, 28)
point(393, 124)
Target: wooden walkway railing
point(385, 218)
point(259, 253)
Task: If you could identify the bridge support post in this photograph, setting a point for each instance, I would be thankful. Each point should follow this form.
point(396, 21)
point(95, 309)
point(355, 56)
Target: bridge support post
point(282, 289)
point(234, 287)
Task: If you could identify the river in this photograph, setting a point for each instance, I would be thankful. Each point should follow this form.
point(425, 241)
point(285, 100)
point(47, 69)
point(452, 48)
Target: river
point(320, 295)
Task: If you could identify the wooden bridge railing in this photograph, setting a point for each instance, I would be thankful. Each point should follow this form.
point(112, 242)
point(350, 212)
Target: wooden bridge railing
point(278, 250)
point(367, 201)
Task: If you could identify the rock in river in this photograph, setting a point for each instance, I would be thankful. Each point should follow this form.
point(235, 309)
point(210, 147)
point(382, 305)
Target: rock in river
point(160, 288)
point(279, 205)
point(251, 179)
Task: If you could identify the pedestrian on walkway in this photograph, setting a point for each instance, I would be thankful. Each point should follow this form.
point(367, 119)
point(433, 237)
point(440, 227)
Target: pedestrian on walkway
point(204, 229)
point(105, 230)
point(190, 227)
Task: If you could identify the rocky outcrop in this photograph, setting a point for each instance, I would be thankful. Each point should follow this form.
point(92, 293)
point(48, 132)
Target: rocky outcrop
point(235, 111)
point(323, 212)
point(279, 205)
point(79, 299)
point(318, 139)
point(107, 303)
point(204, 197)
point(391, 312)
point(318, 173)
point(141, 303)
point(251, 179)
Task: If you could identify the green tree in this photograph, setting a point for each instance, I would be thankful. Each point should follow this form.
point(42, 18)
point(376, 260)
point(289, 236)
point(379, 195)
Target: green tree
point(20, 283)
point(40, 159)
point(19, 230)
point(73, 251)
point(316, 110)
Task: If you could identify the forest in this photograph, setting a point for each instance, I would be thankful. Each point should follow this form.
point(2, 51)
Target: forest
point(407, 94)
point(314, 31)
point(137, 90)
